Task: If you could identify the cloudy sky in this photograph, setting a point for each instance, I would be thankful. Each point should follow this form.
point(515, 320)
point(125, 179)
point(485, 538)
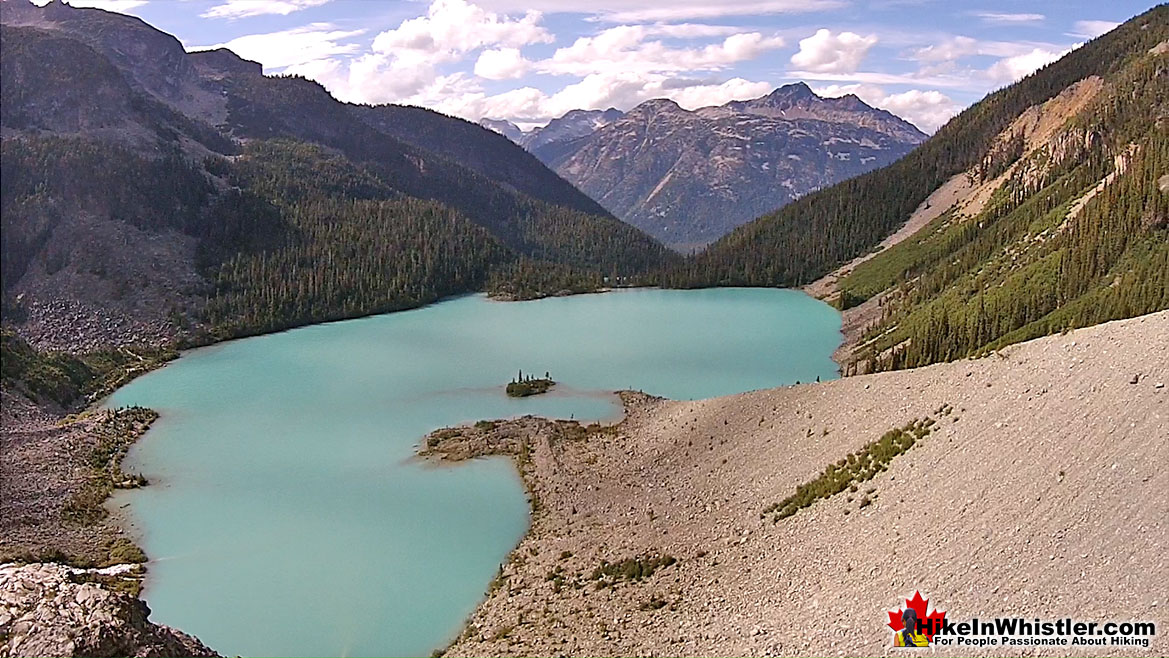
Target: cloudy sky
point(532, 60)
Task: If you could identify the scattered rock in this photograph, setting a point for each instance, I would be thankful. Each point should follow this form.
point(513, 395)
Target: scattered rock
point(46, 611)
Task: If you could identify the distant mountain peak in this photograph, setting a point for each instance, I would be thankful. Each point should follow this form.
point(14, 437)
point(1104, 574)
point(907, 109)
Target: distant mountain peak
point(573, 125)
point(851, 102)
point(689, 177)
point(657, 106)
point(793, 90)
point(503, 127)
point(798, 101)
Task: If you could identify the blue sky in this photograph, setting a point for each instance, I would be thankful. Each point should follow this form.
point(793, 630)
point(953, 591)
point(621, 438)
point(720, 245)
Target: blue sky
point(532, 60)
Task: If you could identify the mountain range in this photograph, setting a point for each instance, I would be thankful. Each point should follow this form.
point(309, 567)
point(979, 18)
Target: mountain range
point(689, 177)
point(152, 198)
point(1041, 208)
point(151, 192)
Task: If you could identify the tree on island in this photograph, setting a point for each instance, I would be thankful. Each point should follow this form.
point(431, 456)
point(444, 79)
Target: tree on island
point(523, 386)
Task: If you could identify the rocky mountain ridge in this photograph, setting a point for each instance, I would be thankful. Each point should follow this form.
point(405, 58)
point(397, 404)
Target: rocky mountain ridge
point(689, 177)
point(105, 119)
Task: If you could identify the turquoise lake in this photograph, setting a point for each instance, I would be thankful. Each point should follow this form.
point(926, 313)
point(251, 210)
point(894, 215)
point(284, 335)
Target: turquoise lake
point(285, 515)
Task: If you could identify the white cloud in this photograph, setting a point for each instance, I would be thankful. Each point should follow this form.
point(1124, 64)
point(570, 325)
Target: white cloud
point(690, 30)
point(452, 28)
point(927, 109)
point(624, 89)
point(645, 11)
point(704, 95)
point(529, 106)
point(827, 53)
point(956, 47)
point(443, 59)
point(233, 9)
point(404, 63)
point(624, 48)
point(1008, 19)
point(296, 47)
point(1092, 29)
point(1010, 69)
point(501, 64)
point(941, 65)
point(878, 78)
point(949, 50)
point(1014, 59)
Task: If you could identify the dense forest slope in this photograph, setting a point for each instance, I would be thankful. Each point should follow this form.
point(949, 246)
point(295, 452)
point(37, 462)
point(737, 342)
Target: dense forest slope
point(149, 193)
point(1063, 221)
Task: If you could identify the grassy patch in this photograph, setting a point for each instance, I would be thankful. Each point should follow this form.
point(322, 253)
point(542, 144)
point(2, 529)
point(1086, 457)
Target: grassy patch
point(116, 431)
point(124, 551)
point(67, 379)
point(859, 466)
point(630, 569)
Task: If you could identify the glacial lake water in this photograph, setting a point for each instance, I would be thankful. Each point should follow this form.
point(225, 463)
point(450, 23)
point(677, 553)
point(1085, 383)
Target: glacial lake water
point(285, 515)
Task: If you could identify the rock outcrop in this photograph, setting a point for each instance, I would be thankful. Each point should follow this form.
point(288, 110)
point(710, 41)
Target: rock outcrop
point(49, 609)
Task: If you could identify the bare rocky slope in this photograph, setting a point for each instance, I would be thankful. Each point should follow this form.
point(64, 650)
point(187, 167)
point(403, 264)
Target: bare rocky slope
point(1040, 492)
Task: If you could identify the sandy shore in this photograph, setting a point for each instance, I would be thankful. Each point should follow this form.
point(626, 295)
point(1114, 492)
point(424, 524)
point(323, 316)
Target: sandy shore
point(1043, 493)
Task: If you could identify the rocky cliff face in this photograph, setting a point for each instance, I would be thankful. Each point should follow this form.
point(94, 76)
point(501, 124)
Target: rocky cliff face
point(553, 140)
point(689, 177)
point(48, 609)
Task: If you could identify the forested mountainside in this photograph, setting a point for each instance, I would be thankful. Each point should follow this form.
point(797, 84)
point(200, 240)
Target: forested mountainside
point(482, 151)
point(149, 193)
point(689, 177)
point(1063, 222)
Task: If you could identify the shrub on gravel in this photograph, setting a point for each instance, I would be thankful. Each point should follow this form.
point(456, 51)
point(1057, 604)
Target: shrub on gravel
point(859, 466)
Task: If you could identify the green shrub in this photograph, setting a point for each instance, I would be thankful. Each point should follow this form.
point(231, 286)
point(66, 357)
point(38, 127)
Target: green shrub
point(860, 466)
point(631, 569)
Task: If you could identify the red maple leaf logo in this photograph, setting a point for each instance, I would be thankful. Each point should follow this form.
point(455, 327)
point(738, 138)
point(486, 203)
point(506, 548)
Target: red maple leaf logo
point(929, 622)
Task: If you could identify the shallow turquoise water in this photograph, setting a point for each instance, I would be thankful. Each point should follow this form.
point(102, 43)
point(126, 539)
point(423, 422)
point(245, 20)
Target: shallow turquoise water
point(285, 516)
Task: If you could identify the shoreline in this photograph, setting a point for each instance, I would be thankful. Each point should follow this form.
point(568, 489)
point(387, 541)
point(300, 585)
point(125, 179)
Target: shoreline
point(118, 523)
point(690, 481)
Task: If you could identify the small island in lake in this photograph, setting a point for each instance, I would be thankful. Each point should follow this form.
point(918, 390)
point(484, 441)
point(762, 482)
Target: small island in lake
point(522, 387)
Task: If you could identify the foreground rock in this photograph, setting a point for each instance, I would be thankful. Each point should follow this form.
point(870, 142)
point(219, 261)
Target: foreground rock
point(1041, 491)
point(49, 609)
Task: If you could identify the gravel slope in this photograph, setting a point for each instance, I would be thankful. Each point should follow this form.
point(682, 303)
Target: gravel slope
point(1043, 494)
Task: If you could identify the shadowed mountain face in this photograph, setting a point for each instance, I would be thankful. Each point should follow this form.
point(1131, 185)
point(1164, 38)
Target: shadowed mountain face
point(689, 177)
point(149, 192)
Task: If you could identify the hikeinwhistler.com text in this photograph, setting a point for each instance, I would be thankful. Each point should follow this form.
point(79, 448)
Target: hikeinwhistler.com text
point(1020, 632)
